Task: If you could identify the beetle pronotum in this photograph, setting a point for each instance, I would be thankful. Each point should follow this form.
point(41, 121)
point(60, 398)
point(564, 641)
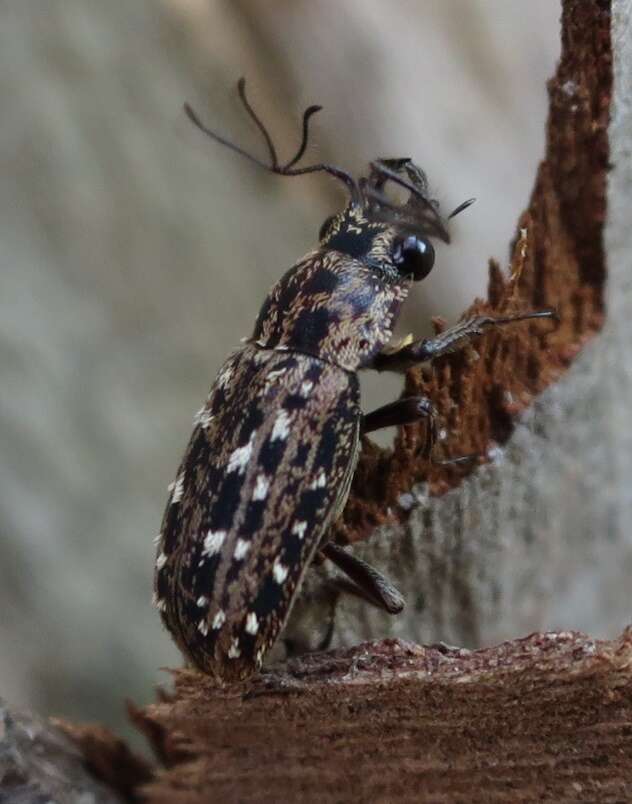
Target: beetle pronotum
point(271, 458)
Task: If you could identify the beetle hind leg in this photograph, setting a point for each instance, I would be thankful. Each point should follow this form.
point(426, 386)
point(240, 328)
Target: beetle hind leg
point(363, 580)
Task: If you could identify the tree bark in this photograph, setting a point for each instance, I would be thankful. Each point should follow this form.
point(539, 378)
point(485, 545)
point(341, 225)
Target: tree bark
point(539, 719)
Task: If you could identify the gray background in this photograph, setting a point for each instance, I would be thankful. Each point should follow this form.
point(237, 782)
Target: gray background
point(134, 254)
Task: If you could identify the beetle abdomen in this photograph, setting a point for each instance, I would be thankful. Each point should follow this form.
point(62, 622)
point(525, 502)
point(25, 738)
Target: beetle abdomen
point(267, 466)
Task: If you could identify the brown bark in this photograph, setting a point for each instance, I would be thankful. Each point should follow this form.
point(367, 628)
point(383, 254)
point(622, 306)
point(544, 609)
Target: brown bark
point(557, 261)
point(541, 718)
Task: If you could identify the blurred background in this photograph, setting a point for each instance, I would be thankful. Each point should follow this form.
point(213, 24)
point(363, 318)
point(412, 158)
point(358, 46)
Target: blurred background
point(135, 253)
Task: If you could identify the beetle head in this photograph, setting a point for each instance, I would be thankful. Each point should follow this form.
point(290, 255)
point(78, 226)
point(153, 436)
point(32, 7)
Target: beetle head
point(341, 301)
point(388, 237)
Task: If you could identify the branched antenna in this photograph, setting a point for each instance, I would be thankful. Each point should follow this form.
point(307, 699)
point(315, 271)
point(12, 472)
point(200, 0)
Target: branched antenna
point(391, 175)
point(288, 168)
point(417, 193)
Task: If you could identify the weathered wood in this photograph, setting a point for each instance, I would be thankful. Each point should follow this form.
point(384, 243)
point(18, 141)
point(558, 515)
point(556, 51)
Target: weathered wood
point(539, 719)
point(39, 763)
point(538, 537)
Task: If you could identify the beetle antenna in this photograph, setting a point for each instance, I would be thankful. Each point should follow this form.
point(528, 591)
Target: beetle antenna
point(407, 185)
point(461, 207)
point(311, 110)
point(241, 88)
point(288, 168)
point(433, 220)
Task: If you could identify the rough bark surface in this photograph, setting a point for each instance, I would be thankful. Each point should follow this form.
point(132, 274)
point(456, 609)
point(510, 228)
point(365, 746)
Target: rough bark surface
point(542, 718)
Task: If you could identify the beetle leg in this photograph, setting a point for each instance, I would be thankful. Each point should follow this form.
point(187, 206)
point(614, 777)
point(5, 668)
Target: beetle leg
point(407, 411)
point(402, 411)
point(364, 580)
point(454, 338)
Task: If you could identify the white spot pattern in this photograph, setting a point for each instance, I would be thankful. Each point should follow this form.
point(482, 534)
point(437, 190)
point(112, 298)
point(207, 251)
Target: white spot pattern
point(225, 376)
point(281, 427)
point(213, 542)
point(272, 375)
point(219, 620)
point(279, 571)
point(161, 560)
point(201, 601)
point(306, 387)
point(177, 487)
point(239, 458)
point(252, 623)
point(203, 418)
point(160, 604)
point(203, 627)
point(261, 488)
point(299, 529)
point(320, 481)
point(241, 548)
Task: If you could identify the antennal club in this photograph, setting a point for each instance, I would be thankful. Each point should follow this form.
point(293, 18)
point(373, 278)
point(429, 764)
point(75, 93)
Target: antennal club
point(287, 169)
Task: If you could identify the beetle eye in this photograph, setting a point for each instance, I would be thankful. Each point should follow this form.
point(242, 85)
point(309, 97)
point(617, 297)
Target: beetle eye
point(414, 256)
point(324, 229)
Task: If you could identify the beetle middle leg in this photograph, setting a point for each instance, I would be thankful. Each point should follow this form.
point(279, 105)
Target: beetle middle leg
point(362, 579)
point(407, 411)
point(403, 411)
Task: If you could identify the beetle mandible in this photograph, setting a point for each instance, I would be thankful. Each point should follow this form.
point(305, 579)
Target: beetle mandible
point(270, 462)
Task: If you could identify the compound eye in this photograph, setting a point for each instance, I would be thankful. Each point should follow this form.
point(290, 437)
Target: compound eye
point(324, 229)
point(414, 256)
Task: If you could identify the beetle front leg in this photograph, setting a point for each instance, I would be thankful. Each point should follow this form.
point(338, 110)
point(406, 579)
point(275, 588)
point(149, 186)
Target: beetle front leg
point(454, 338)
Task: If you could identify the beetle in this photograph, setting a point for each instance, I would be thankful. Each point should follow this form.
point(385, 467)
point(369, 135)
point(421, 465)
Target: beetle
point(273, 451)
